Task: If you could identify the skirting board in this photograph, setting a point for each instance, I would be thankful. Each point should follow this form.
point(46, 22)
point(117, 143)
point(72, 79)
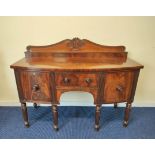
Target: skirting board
point(75, 103)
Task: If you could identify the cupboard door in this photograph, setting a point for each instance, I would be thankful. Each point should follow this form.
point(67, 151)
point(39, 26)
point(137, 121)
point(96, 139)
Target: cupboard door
point(117, 87)
point(35, 86)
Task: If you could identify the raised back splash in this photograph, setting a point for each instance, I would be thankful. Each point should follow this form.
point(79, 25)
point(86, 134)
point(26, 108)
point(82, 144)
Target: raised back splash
point(77, 50)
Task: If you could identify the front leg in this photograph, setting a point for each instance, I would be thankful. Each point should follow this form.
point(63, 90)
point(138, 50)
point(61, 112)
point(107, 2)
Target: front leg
point(115, 105)
point(35, 105)
point(24, 113)
point(126, 114)
point(55, 117)
point(97, 117)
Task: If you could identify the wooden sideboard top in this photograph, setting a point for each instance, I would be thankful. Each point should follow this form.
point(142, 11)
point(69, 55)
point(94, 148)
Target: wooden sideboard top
point(76, 54)
point(47, 65)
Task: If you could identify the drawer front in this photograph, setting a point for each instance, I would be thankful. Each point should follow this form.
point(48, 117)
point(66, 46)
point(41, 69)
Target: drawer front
point(35, 86)
point(117, 86)
point(76, 80)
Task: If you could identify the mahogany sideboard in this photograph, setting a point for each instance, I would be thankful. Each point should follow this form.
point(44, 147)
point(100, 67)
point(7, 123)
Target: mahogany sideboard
point(76, 65)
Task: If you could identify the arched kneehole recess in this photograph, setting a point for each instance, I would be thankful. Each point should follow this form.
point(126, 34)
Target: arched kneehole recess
point(76, 98)
point(71, 98)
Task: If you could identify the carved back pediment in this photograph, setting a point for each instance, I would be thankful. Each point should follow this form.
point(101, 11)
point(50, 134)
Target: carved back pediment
point(76, 45)
point(77, 50)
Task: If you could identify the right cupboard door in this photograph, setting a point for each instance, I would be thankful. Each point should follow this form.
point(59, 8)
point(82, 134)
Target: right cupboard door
point(117, 86)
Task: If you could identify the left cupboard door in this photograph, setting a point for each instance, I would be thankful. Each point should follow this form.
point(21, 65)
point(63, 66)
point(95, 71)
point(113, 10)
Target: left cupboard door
point(35, 86)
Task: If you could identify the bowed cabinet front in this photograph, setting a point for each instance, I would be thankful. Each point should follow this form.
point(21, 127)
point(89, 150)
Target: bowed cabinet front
point(47, 72)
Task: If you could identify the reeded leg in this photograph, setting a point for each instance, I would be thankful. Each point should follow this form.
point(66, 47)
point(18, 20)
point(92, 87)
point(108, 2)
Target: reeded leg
point(115, 105)
point(35, 105)
point(55, 117)
point(97, 117)
point(25, 115)
point(126, 114)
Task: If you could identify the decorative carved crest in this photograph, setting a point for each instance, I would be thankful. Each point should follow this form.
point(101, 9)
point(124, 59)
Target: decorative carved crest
point(75, 43)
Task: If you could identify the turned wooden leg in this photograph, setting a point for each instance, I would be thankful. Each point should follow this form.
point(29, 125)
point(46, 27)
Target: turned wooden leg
point(126, 114)
point(24, 113)
point(115, 105)
point(35, 105)
point(55, 117)
point(97, 117)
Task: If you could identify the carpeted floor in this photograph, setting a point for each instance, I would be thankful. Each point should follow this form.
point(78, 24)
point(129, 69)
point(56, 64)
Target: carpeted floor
point(77, 122)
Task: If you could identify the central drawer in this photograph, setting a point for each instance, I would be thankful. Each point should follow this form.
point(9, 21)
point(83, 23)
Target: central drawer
point(76, 80)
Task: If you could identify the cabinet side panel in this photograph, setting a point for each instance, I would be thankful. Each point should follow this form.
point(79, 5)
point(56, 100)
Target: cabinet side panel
point(134, 85)
point(19, 86)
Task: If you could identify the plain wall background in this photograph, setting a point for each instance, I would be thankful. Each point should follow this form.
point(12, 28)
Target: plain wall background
point(136, 33)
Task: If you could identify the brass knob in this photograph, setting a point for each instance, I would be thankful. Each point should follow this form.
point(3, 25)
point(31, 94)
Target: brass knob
point(88, 80)
point(66, 80)
point(35, 87)
point(119, 88)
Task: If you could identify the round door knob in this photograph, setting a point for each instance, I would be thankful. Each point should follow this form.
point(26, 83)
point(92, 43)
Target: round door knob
point(66, 80)
point(35, 87)
point(88, 80)
point(119, 88)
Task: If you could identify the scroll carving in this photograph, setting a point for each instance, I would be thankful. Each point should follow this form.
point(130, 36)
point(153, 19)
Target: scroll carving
point(76, 44)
